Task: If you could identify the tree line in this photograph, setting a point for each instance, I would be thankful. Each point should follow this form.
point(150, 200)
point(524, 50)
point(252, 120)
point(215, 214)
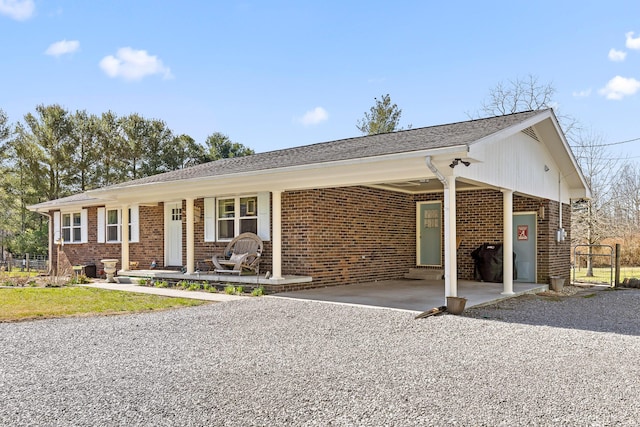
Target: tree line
point(55, 153)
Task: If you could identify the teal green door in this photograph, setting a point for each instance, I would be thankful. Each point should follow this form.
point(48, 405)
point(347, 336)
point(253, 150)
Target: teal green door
point(524, 246)
point(430, 233)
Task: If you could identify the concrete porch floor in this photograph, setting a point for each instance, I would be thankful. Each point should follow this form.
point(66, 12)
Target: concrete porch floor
point(411, 295)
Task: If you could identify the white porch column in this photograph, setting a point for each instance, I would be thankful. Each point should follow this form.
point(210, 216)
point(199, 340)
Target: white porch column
point(450, 255)
point(190, 236)
point(124, 241)
point(507, 248)
point(276, 240)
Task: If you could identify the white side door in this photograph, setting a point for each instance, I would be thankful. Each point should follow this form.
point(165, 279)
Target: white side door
point(173, 233)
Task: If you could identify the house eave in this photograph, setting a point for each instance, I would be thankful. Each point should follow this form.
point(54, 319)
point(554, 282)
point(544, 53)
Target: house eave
point(359, 171)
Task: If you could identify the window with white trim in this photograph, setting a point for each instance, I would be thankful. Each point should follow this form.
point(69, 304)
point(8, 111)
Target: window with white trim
point(226, 217)
point(237, 215)
point(113, 225)
point(72, 227)
point(110, 225)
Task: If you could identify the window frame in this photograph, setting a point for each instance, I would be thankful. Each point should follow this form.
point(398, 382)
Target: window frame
point(117, 225)
point(72, 228)
point(104, 225)
point(237, 217)
point(77, 230)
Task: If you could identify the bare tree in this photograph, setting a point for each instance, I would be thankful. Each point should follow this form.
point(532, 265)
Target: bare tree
point(524, 94)
point(520, 94)
point(592, 219)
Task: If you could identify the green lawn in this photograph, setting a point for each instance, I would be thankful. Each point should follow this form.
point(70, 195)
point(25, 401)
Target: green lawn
point(42, 303)
point(603, 275)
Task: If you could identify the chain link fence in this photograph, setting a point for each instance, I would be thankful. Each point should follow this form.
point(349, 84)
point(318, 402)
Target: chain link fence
point(596, 264)
point(25, 262)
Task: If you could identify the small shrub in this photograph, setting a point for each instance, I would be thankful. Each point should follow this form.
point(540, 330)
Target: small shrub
point(161, 284)
point(239, 290)
point(229, 289)
point(80, 279)
point(145, 282)
point(183, 284)
point(193, 287)
point(258, 292)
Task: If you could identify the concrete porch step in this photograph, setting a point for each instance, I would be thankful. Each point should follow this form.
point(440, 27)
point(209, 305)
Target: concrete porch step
point(424, 274)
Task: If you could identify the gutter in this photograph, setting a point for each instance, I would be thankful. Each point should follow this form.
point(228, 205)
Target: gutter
point(98, 192)
point(436, 172)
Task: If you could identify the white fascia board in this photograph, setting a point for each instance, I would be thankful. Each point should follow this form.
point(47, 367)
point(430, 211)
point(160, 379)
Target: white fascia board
point(328, 174)
point(513, 129)
point(65, 205)
point(569, 153)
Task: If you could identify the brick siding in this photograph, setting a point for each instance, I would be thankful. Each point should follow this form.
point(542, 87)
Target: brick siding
point(347, 235)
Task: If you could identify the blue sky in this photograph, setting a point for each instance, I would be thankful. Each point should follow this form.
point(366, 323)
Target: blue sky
point(285, 73)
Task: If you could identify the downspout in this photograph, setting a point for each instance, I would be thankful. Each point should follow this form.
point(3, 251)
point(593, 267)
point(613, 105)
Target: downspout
point(450, 278)
point(436, 172)
point(561, 234)
point(49, 243)
point(560, 198)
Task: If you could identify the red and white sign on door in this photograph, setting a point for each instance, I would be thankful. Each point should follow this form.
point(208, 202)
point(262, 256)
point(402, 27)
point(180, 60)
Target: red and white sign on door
point(523, 232)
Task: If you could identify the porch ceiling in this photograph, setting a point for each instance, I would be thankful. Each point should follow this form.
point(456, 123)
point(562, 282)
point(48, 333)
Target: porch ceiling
point(430, 185)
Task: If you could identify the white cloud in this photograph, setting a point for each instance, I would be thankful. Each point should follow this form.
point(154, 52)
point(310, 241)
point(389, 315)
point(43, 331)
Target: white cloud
point(631, 42)
point(582, 93)
point(314, 116)
point(619, 87)
point(133, 64)
point(62, 47)
point(617, 55)
point(20, 10)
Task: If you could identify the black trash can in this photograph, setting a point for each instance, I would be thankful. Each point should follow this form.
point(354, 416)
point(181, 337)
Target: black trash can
point(90, 271)
point(488, 262)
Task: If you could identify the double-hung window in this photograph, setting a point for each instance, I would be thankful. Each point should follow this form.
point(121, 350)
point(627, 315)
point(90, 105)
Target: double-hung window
point(71, 227)
point(237, 215)
point(227, 217)
point(110, 225)
point(113, 225)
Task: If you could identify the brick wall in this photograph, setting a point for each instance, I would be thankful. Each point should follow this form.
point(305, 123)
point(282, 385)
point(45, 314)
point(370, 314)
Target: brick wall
point(480, 220)
point(150, 244)
point(347, 235)
point(554, 257)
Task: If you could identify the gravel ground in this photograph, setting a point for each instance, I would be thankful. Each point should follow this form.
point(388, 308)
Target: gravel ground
point(267, 361)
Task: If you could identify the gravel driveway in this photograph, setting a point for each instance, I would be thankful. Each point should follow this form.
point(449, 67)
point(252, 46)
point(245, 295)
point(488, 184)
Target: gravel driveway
point(270, 361)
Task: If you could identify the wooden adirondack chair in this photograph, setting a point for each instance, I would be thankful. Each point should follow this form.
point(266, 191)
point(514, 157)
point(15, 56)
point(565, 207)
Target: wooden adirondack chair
point(242, 254)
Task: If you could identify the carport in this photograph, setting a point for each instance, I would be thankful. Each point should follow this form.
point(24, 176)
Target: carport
point(410, 295)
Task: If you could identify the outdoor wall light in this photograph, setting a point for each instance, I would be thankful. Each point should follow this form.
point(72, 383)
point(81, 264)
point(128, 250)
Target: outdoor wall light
point(455, 162)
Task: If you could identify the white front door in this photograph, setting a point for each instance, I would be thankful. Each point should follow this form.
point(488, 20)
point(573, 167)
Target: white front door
point(173, 234)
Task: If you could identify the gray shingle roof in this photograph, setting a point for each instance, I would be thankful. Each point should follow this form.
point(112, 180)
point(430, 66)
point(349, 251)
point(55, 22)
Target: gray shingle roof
point(419, 139)
point(73, 199)
point(441, 136)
